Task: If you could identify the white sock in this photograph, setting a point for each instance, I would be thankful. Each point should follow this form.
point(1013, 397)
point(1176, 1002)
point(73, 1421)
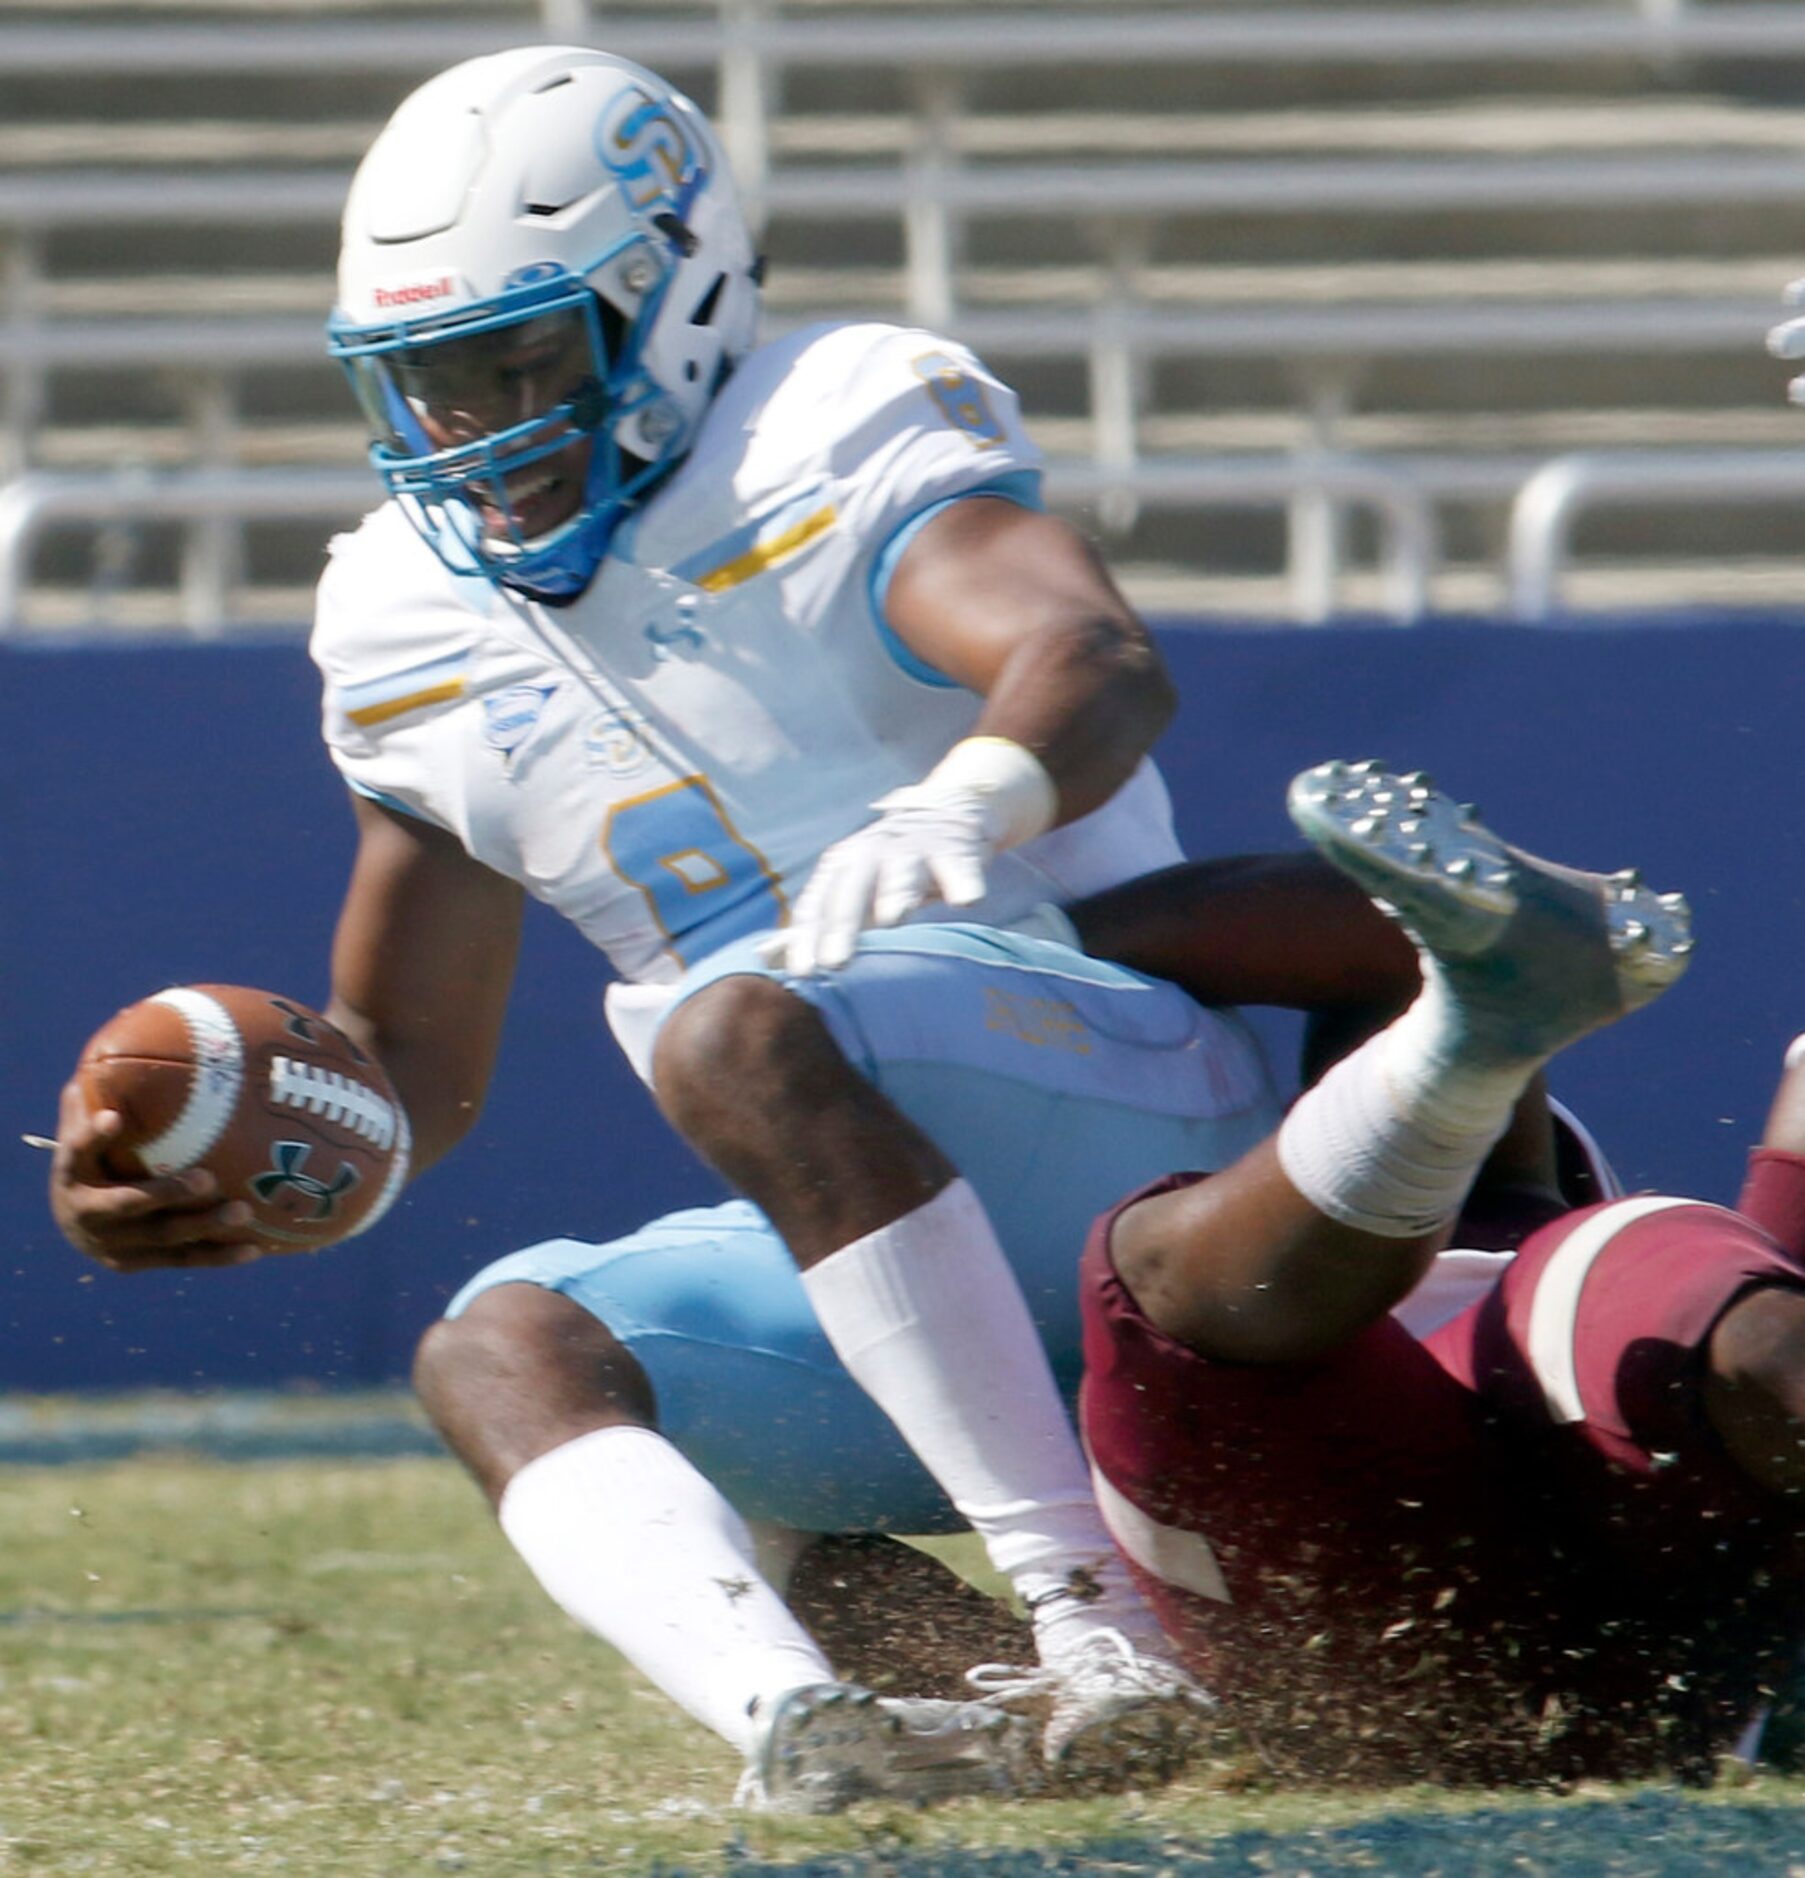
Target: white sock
point(928, 1318)
point(631, 1541)
point(1391, 1137)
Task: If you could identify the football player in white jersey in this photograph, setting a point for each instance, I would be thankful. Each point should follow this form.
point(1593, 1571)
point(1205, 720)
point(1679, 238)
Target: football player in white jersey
point(746, 659)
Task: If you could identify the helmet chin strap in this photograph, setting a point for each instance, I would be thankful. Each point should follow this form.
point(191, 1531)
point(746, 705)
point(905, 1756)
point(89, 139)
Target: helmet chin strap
point(559, 570)
point(555, 585)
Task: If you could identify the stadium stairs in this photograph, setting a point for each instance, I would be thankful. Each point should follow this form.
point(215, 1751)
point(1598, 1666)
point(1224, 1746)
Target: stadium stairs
point(1315, 307)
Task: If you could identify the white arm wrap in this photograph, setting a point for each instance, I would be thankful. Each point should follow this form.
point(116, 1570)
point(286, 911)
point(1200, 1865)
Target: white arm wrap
point(1019, 796)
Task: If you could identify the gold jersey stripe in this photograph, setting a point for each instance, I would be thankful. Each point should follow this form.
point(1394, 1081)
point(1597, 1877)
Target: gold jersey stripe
point(767, 553)
point(413, 701)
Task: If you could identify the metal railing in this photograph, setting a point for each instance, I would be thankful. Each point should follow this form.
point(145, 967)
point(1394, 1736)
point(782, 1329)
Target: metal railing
point(203, 498)
point(1545, 512)
point(932, 196)
point(932, 202)
point(1548, 508)
point(1658, 32)
point(1120, 481)
point(33, 505)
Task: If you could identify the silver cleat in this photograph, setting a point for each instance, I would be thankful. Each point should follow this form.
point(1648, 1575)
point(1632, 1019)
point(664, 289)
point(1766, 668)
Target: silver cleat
point(828, 1745)
point(1465, 897)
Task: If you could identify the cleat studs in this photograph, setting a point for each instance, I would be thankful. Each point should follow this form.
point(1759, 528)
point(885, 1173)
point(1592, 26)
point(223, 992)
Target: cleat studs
point(1458, 890)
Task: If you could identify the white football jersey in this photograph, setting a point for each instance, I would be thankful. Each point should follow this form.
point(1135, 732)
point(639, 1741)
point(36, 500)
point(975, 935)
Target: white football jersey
point(665, 758)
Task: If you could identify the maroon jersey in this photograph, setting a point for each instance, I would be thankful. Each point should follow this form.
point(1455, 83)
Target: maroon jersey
point(1511, 1550)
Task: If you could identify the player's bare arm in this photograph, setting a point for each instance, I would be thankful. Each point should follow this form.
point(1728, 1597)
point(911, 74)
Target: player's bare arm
point(1017, 607)
point(1014, 606)
point(422, 964)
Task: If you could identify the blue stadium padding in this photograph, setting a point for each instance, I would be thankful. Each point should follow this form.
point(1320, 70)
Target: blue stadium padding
point(170, 816)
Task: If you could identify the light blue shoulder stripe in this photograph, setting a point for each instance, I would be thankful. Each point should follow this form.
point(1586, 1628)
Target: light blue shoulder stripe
point(391, 687)
point(731, 546)
point(1021, 487)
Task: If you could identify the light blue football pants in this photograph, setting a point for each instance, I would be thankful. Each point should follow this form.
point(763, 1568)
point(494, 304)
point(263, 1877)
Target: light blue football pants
point(1056, 1083)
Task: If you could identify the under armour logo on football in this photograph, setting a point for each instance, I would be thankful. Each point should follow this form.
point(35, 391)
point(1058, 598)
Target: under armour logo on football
point(291, 1158)
point(300, 1023)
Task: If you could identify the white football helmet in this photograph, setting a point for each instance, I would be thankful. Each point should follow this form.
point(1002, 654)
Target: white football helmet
point(544, 279)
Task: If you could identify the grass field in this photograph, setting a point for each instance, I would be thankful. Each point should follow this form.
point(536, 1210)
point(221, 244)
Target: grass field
point(337, 1667)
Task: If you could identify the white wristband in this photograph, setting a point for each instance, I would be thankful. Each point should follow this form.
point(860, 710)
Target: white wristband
point(1018, 794)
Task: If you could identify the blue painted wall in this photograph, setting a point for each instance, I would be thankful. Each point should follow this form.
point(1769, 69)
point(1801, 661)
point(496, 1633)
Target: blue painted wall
point(170, 816)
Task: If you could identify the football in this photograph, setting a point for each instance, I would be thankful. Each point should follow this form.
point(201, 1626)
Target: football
point(286, 1111)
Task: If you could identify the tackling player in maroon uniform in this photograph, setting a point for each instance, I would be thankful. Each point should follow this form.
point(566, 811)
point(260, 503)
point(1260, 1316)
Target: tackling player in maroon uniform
point(1554, 1529)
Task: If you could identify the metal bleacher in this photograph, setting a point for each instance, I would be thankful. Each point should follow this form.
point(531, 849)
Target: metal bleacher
point(1318, 306)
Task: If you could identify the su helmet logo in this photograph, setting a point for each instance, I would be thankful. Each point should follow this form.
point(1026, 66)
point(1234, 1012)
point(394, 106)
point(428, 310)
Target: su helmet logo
point(647, 145)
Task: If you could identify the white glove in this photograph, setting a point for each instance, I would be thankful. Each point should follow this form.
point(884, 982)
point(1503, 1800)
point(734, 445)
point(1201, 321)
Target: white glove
point(1787, 340)
point(931, 840)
